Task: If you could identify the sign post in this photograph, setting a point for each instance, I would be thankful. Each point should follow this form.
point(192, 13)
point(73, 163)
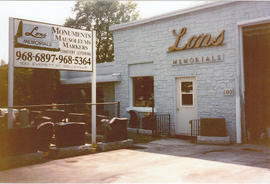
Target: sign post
point(10, 73)
point(94, 107)
point(41, 45)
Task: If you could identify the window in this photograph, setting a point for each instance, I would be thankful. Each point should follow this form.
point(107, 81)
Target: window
point(187, 93)
point(143, 91)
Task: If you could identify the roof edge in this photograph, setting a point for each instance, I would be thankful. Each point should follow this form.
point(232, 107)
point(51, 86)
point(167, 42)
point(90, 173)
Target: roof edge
point(168, 15)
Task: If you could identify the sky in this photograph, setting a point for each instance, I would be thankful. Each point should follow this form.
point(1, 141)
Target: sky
point(56, 12)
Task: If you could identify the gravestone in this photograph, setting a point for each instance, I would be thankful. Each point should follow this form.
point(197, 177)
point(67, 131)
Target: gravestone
point(45, 133)
point(116, 130)
point(69, 134)
point(215, 127)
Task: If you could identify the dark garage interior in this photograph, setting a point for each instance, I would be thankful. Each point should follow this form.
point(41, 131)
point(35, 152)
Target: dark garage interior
point(256, 46)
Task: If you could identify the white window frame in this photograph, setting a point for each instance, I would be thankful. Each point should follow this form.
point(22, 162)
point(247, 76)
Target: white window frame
point(193, 90)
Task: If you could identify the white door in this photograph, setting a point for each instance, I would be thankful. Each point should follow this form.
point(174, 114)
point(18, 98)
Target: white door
point(186, 104)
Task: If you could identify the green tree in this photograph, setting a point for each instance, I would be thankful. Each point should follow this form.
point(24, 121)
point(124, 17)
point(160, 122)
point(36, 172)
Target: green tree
point(100, 15)
point(22, 86)
point(2, 62)
point(44, 84)
point(31, 86)
point(3, 85)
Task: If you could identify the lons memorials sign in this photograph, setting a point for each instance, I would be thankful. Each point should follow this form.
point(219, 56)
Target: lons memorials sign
point(41, 45)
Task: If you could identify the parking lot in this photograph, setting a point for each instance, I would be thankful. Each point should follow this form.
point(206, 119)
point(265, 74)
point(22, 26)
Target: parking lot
point(165, 160)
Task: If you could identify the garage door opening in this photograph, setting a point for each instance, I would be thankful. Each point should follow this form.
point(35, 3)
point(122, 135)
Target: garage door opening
point(256, 47)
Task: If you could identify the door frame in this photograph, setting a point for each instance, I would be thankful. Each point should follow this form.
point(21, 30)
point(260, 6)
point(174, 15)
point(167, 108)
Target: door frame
point(176, 98)
point(241, 135)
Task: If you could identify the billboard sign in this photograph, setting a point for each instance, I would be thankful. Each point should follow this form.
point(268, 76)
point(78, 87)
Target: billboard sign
point(42, 45)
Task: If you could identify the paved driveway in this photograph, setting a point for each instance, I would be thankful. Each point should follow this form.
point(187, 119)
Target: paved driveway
point(166, 160)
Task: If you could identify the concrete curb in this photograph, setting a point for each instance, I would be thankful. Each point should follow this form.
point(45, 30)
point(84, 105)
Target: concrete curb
point(213, 140)
point(57, 153)
point(140, 131)
point(115, 145)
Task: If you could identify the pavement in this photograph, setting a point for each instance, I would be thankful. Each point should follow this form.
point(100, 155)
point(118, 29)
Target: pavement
point(166, 160)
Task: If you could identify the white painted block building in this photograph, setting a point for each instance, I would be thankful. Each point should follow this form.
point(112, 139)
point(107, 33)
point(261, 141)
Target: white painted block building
point(210, 61)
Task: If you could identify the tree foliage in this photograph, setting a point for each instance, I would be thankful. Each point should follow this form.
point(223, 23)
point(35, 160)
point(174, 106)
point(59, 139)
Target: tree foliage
point(2, 62)
point(100, 15)
point(31, 86)
point(3, 85)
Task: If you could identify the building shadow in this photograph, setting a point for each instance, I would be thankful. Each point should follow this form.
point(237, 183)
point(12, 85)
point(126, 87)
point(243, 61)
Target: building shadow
point(244, 154)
